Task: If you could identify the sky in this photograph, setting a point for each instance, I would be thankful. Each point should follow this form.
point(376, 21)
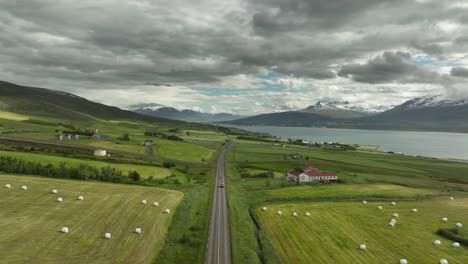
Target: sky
point(243, 57)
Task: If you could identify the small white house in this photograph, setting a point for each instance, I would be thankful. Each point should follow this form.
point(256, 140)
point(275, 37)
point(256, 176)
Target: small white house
point(100, 152)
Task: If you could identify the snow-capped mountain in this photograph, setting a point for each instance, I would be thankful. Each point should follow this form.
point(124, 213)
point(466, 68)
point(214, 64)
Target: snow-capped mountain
point(334, 111)
point(149, 107)
point(158, 110)
point(419, 114)
point(430, 102)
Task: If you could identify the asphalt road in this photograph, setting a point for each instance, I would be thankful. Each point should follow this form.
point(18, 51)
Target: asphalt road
point(219, 239)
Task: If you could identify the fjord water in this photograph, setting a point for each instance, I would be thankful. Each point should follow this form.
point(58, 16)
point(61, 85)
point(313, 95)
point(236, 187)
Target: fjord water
point(428, 144)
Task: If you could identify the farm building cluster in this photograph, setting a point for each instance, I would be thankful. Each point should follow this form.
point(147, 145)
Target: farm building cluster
point(311, 175)
point(62, 137)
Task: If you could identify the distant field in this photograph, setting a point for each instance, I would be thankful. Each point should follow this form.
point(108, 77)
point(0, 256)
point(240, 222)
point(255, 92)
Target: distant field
point(111, 145)
point(145, 171)
point(334, 231)
point(182, 151)
point(267, 152)
point(31, 221)
point(12, 116)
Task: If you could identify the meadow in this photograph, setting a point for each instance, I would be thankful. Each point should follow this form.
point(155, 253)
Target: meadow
point(334, 231)
point(373, 176)
point(145, 171)
point(32, 220)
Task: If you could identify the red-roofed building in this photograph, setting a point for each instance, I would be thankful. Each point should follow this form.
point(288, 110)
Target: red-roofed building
point(321, 176)
point(309, 168)
point(310, 175)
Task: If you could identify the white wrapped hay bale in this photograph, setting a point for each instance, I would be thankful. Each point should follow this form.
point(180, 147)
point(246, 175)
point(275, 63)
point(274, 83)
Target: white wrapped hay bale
point(264, 208)
point(143, 202)
point(8, 186)
point(403, 261)
point(395, 215)
point(437, 242)
point(24, 187)
point(458, 224)
point(280, 213)
point(414, 210)
point(59, 199)
point(138, 230)
point(364, 202)
point(451, 198)
point(54, 191)
point(379, 207)
point(393, 203)
point(362, 247)
point(443, 261)
point(456, 244)
point(167, 211)
point(107, 235)
point(294, 214)
point(64, 229)
point(393, 220)
point(307, 214)
point(391, 223)
point(155, 204)
point(444, 219)
point(81, 198)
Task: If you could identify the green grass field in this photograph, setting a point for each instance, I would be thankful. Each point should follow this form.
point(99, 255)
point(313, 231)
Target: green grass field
point(352, 191)
point(364, 175)
point(334, 231)
point(31, 221)
point(12, 116)
point(145, 171)
point(180, 150)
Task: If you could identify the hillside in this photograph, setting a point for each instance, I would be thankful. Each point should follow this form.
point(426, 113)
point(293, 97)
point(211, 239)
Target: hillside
point(157, 110)
point(45, 103)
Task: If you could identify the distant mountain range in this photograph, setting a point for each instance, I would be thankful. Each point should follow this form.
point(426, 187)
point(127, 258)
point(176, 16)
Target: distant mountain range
point(420, 114)
point(158, 110)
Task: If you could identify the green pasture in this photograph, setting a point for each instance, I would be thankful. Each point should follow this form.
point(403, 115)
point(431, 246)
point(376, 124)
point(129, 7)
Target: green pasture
point(145, 171)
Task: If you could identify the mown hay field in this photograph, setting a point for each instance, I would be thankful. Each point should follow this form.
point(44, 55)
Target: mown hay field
point(334, 231)
point(31, 221)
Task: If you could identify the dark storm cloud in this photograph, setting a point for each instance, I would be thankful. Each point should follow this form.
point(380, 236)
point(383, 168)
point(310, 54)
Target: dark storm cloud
point(199, 42)
point(459, 72)
point(388, 68)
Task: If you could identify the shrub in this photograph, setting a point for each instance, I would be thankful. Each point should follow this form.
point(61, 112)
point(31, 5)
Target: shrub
point(452, 234)
point(168, 164)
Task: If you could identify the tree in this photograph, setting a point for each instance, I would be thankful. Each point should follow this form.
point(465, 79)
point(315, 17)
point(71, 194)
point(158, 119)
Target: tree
point(125, 137)
point(134, 175)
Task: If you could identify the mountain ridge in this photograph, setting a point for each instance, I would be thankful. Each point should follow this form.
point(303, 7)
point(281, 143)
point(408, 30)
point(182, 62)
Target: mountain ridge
point(159, 110)
point(418, 114)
